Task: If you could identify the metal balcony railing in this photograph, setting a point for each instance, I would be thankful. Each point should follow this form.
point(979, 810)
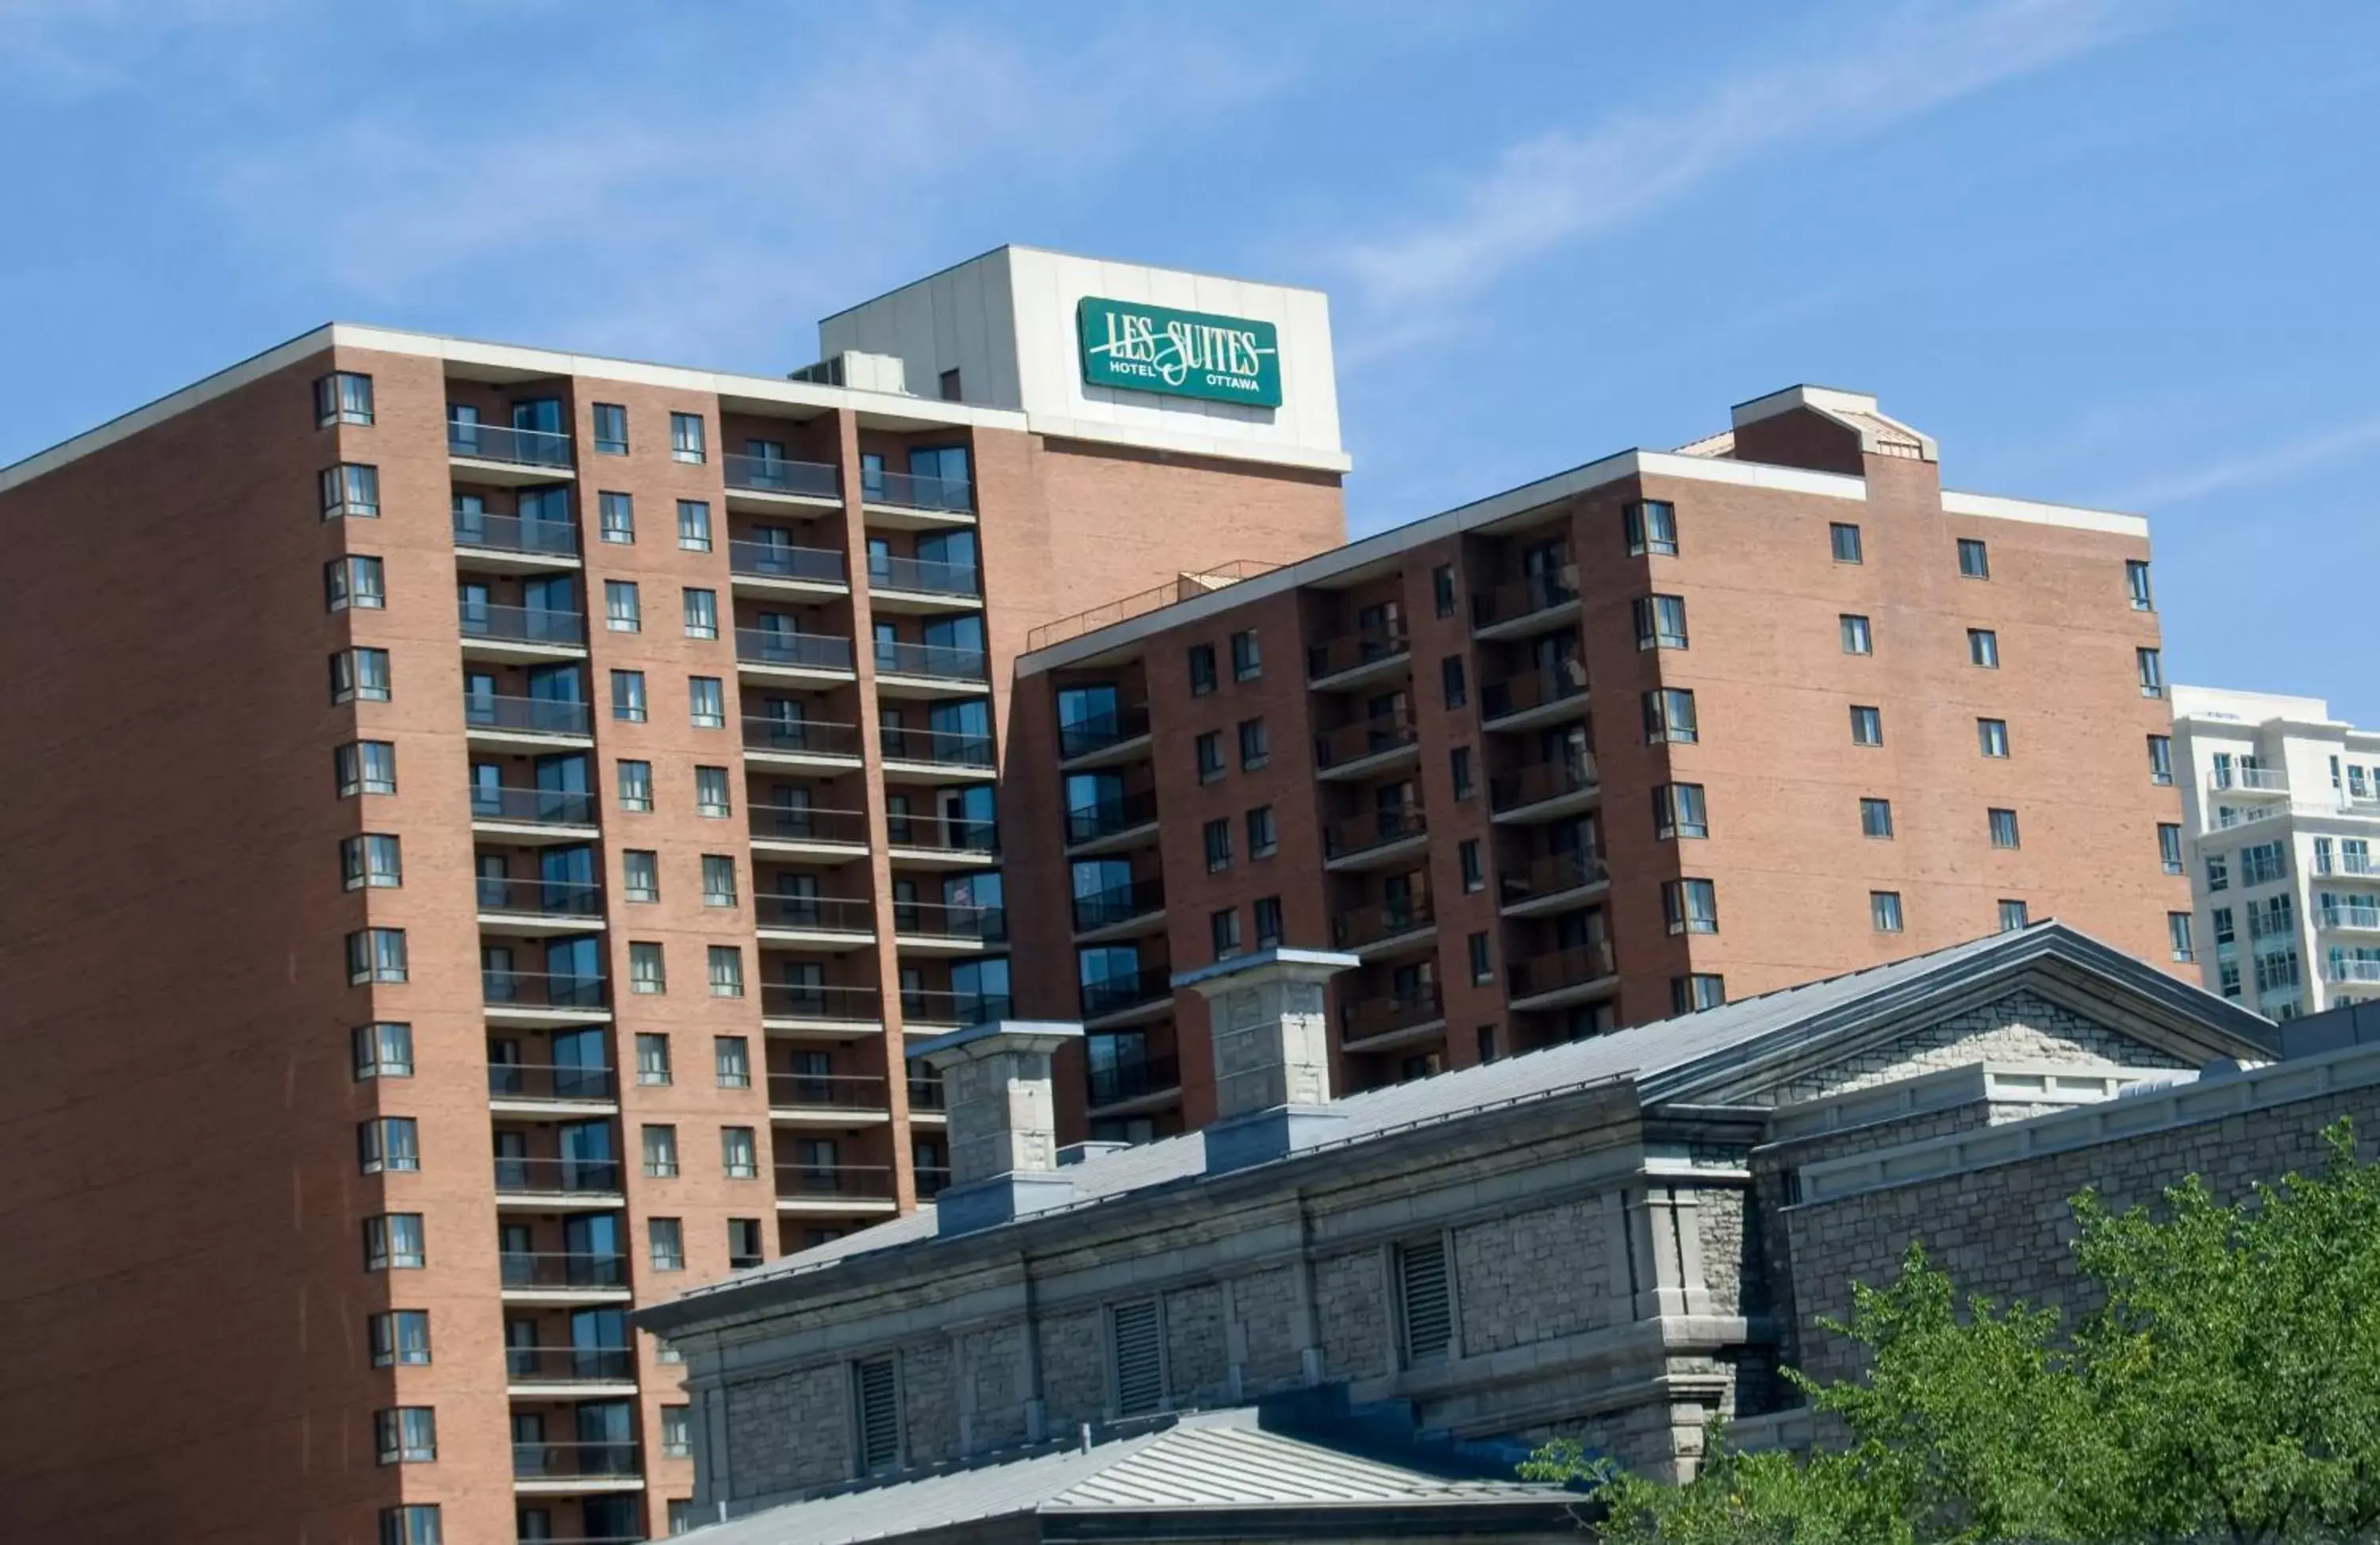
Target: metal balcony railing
point(797, 1181)
point(570, 1365)
point(1328, 657)
point(931, 1006)
point(574, 1461)
point(1574, 967)
point(1091, 822)
point(1362, 1018)
point(1387, 920)
point(542, 898)
point(782, 647)
point(1118, 904)
point(2350, 970)
point(1102, 730)
point(2271, 780)
point(543, 539)
point(925, 1093)
point(810, 736)
point(802, 1000)
point(2350, 917)
point(1362, 833)
point(941, 834)
point(927, 576)
point(520, 624)
point(940, 920)
point(807, 823)
point(545, 807)
point(939, 662)
point(1536, 782)
point(821, 914)
point(1530, 689)
point(1524, 597)
point(1114, 995)
point(1550, 875)
point(932, 1179)
point(1370, 737)
point(777, 475)
point(826, 1091)
point(1133, 1080)
point(777, 561)
point(536, 989)
point(911, 490)
point(948, 748)
point(536, 1177)
point(497, 442)
point(561, 1269)
point(540, 1080)
point(533, 715)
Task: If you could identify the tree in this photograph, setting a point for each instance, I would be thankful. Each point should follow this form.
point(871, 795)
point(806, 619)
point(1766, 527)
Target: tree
point(2225, 1387)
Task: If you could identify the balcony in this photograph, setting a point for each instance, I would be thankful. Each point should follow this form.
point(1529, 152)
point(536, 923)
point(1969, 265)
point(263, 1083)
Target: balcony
point(1115, 1000)
point(831, 922)
point(2225, 817)
point(783, 653)
point(1528, 605)
point(932, 1180)
point(509, 543)
point(570, 1372)
point(493, 453)
point(533, 815)
point(1394, 1019)
point(775, 568)
point(535, 723)
point(1352, 659)
point(1113, 823)
point(1545, 694)
point(535, 997)
point(1544, 790)
point(769, 482)
point(2365, 971)
point(939, 842)
point(550, 1468)
point(929, 669)
point(800, 742)
point(914, 493)
point(922, 584)
point(559, 1184)
point(1382, 928)
point(538, 1089)
point(926, 1096)
point(559, 1276)
point(1120, 909)
point(863, 1188)
point(2357, 919)
point(839, 1100)
point(804, 829)
point(939, 928)
point(1563, 977)
point(2248, 780)
point(1137, 1079)
point(520, 633)
point(1104, 739)
point(532, 908)
point(936, 753)
point(1550, 883)
point(819, 1011)
point(932, 1011)
point(1371, 841)
point(1368, 746)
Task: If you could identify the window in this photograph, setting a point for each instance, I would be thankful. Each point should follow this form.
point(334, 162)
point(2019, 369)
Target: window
point(1991, 737)
point(710, 792)
point(686, 436)
point(1983, 648)
point(1223, 932)
point(387, 1144)
point(611, 429)
point(1450, 682)
point(636, 785)
point(1459, 767)
point(1867, 726)
point(665, 1244)
point(413, 1523)
point(376, 955)
point(742, 1242)
point(678, 1432)
point(1650, 526)
point(399, 1338)
point(2161, 760)
point(652, 1059)
point(1484, 1038)
point(1267, 912)
point(1217, 837)
point(646, 973)
point(2013, 916)
point(406, 1435)
point(726, 971)
point(2003, 828)
point(354, 581)
point(1660, 621)
point(1857, 639)
point(731, 1060)
point(706, 702)
point(1475, 877)
point(640, 875)
point(622, 612)
point(1678, 812)
point(346, 397)
point(392, 1242)
point(383, 1051)
point(2136, 585)
point(618, 518)
point(661, 1152)
point(701, 613)
point(629, 696)
point(1884, 911)
point(2263, 863)
point(718, 880)
point(2169, 846)
point(1425, 1302)
point(2225, 932)
point(1670, 716)
point(372, 860)
point(1483, 967)
point(1210, 755)
point(1261, 838)
point(1876, 818)
point(1442, 589)
point(1846, 541)
point(2176, 930)
point(1137, 1338)
point(737, 1158)
point(359, 676)
point(1692, 995)
point(1689, 907)
point(1202, 669)
point(2218, 872)
point(876, 1413)
point(694, 525)
point(2152, 670)
point(1974, 563)
point(350, 490)
point(365, 767)
point(1256, 746)
point(1247, 660)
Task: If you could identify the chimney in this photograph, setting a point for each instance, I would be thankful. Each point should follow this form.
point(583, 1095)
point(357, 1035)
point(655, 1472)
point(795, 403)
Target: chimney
point(1272, 1054)
point(1003, 1121)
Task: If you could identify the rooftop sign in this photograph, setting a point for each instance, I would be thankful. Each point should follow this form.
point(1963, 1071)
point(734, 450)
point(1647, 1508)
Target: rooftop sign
point(1181, 354)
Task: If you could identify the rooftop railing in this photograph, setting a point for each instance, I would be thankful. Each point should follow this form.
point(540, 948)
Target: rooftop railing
point(1182, 588)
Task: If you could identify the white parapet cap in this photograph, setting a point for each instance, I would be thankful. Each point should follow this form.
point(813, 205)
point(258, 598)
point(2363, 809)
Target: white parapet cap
point(1313, 965)
point(1020, 1034)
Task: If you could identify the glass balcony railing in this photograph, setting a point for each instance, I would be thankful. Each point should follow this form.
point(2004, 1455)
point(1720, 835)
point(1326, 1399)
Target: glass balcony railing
point(777, 561)
point(939, 920)
point(782, 647)
point(807, 823)
point(496, 443)
point(909, 491)
point(1089, 823)
point(797, 1181)
point(947, 748)
point(528, 716)
point(574, 1461)
point(806, 1000)
point(1102, 730)
point(1116, 995)
point(1550, 875)
point(937, 661)
point(1537, 782)
point(1575, 967)
point(929, 1005)
point(570, 1365)
point(1348, 651)
point(534, 1177)
point(1406, 1009)
point(1387, 920)
point(542, 538)
point(941, 834)
point(817, 914)
point(809, 737)
point(559, 1269)
point(826, 1091)
point(924, 576)
point(540, 897)
point(1133, 1078)
point(1532, 689)
point(573, 1082)
point(520, 624)
point(1381, 827)
point(544, 807)
point(1118, 904)
point(1371, 737)
point(502, 988)
point(1525, 596)
point(776, 474)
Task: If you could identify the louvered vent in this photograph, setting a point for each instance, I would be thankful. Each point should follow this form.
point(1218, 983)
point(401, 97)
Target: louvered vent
point(880, 1415)
point(1421, 1282)
point(1139, 1362)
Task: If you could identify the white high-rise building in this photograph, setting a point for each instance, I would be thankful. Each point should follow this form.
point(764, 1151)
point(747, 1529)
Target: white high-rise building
point(2281, 803)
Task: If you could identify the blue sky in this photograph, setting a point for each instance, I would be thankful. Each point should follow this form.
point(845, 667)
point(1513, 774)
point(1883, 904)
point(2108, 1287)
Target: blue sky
point(2107, 253)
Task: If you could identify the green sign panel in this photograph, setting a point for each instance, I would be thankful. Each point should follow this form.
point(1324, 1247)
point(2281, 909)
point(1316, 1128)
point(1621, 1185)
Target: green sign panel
point(1181, 354)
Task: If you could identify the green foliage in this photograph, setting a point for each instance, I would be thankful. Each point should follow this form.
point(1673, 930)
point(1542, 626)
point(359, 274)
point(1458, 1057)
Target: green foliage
point(2227, 1388)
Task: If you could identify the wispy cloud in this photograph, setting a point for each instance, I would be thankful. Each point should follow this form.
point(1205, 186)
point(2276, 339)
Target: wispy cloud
point(2255, 468)
point(1572, 186)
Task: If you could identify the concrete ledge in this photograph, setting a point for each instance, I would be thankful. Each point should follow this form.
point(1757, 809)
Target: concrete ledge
point(2030, 1083)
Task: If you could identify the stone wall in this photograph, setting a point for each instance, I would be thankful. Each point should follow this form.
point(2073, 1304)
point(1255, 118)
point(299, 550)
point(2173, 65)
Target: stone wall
point(1196, 1347)
point(764, 1415)
point(1350, 1294)
point(2022, 1027)
point(1534, 1274)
